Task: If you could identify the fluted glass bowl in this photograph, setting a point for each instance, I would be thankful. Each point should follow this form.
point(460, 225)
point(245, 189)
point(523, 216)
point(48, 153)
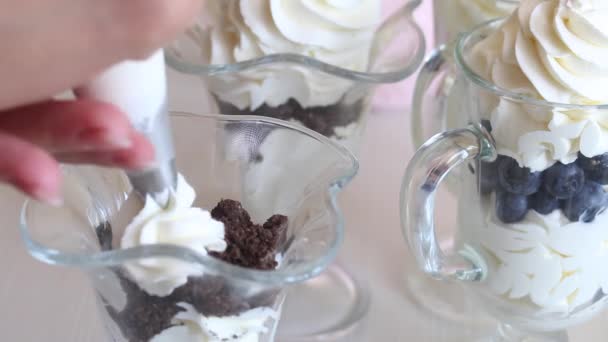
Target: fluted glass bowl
point(264, 164)
point(337, 98)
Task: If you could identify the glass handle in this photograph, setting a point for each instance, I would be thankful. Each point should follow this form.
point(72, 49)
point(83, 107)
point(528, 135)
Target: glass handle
point(433, 85)
point(427, 169)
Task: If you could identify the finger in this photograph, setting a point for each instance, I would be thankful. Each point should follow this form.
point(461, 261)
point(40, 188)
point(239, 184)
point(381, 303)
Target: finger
point(30, 169)
point(65, 126)
point(140, 155)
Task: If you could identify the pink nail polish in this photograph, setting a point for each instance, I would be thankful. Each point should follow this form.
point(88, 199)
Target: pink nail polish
point(96, 137)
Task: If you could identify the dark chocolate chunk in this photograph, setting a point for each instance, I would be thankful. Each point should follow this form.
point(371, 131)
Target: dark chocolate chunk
point(104, 235)
point(249, 245)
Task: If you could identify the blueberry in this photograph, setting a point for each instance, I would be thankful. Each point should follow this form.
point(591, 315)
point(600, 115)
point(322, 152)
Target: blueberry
point(488, 176)
point(543, 202)
point(586, 204)
point(596, 168)
point(511, 208)
point(564, 181)
point(516, 179)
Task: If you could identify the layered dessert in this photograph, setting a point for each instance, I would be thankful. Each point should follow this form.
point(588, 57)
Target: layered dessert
point(455, 16)
point(174, 300)
point(339, 33)
point(544, 228)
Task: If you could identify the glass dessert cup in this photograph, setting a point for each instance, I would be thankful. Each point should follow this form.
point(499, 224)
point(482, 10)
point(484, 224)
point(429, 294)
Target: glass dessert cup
point(456, 16)
point(532, 258)
point(222, 158)
point(397, 49)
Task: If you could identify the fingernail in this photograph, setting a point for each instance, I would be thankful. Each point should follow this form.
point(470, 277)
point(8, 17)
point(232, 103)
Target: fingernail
point(56, 201)
point(53, 199)
point(99, 137)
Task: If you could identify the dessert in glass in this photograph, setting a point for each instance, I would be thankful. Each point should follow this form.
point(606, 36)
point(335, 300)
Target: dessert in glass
point(311, 63)
point(532, 220)
point(215, 263)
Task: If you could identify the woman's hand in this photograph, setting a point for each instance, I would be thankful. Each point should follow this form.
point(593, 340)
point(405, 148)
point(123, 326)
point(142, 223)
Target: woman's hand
point(54, 45)
point(35, 138)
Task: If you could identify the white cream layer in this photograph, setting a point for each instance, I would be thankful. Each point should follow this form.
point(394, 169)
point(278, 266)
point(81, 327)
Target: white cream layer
point(191, 326)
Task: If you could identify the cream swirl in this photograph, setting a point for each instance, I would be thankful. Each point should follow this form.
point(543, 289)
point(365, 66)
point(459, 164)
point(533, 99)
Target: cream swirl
point(337, 32)
point(191, 326)
point(179, 224)
point(551, 50)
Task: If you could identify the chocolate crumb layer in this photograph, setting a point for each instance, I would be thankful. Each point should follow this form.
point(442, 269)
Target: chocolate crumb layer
point(249, 245)
point(322, 119)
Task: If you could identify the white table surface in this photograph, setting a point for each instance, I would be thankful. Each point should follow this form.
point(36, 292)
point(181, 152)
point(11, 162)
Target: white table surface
point(44, 303)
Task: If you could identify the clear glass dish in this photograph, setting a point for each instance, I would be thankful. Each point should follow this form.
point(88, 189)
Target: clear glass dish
point(248, 159)
point(397, 48)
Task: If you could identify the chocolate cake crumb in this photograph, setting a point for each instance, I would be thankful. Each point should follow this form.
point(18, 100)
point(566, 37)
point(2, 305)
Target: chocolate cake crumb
point(144, 316)
point(104, 235)
point(322, 119)
point(249, 245)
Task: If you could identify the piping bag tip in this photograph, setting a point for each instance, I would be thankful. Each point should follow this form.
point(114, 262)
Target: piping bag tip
point(139, 88)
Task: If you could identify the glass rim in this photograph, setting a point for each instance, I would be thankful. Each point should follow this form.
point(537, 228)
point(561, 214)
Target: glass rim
point(471, 75)
point(179, 64)
point(276, 277)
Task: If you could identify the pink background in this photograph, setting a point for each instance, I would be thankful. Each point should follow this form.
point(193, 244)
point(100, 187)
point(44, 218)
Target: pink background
point(397, 96)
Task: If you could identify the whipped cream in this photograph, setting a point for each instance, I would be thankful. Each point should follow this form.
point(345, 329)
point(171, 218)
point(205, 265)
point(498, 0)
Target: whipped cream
point(179, 224)
point(455, 16)
point(552, 263)
point(191, 326)
point(552, 50)
point(335, 32)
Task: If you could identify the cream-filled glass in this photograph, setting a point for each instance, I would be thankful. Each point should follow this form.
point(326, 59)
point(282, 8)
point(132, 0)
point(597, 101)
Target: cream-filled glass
point(161, 278)
point(314, 63)
point(532, 229)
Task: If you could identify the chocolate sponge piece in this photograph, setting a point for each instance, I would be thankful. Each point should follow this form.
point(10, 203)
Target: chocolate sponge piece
point(249, 245)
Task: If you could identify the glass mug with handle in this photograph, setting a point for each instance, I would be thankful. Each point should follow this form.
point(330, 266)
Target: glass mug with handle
point(531, 244)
